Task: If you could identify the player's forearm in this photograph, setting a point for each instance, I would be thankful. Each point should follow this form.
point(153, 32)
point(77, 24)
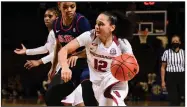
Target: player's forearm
point(36, 51)
point(162, 74)
point(48, 58)
point(62, 57)
point(55, 57)
point(40, 61)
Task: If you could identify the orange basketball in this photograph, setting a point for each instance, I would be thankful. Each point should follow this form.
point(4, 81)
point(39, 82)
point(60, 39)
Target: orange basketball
point(124, 67)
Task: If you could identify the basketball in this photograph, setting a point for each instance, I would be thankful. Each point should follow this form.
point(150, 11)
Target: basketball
point(124, 67)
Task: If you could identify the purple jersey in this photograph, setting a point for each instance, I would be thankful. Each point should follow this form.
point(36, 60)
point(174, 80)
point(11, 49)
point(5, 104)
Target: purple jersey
point(65, 34)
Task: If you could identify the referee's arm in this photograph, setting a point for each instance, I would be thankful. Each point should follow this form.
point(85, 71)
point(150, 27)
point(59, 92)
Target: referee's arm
point(163, 71)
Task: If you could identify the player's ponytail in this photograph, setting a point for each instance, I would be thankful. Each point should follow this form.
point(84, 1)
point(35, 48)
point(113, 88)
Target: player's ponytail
point(124, 26)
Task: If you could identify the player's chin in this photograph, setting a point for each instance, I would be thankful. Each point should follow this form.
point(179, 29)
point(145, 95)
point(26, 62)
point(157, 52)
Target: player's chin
point(48, 24)
point(70, 16)
point(97, 34)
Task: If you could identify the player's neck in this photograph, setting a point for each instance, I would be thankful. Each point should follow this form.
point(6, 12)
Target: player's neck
point(107, 41)
point(67, 21)
point(49, 29)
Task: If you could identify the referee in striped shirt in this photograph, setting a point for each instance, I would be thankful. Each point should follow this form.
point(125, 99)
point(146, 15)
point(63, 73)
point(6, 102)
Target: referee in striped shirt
point(173, 71)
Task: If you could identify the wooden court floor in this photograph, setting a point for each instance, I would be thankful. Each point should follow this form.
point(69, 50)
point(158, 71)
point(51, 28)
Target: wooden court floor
point(34, 102)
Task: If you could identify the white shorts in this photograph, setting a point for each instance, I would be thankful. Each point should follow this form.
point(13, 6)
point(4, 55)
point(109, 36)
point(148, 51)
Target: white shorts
point(75, 97)
point(111, 92)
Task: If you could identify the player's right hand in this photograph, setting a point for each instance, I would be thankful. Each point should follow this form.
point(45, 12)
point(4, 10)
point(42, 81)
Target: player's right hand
point(66, 74)
point(21, 51)
point(163, 84)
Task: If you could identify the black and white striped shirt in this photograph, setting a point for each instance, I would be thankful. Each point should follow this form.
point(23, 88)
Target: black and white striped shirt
point(175, 60)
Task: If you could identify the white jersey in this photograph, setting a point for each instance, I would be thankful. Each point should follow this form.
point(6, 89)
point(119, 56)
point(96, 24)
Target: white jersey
point(51, 41)
point(98, 56)
point(48, 47)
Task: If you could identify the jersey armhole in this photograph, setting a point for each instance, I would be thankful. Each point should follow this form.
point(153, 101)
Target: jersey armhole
point(55, 25)
point(78, 22)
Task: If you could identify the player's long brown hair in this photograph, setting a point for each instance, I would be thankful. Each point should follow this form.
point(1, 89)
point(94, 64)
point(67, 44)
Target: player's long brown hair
point(124, 26)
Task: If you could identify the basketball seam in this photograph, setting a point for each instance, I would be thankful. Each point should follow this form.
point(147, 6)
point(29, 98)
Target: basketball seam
point(126, 58)
point(131, 63)
point(128, 62)
point(122, 59)
point(123, 74)
point(117, 69)
point(119, 66)
point(125, 65)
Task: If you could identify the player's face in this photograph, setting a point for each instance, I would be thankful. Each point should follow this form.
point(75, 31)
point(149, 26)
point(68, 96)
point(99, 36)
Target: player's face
point(103, 26)
point(67, 9)
point(175, 39)
point(49, 17)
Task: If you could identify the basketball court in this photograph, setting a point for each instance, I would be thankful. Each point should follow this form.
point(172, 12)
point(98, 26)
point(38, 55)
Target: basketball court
point(33, 102)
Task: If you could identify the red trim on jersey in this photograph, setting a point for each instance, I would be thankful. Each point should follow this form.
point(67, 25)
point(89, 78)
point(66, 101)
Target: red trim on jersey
point(69, 27)
point(115, 39)
point(107, 93)
point(77, 23)
point(115, 100)
point(108, 89)
point(117, 93)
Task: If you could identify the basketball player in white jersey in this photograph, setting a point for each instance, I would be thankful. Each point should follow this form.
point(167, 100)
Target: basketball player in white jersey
point(50, 15)
point(106, 41)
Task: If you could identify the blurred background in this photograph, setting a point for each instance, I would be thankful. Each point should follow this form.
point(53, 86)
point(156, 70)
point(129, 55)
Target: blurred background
point(22, 22)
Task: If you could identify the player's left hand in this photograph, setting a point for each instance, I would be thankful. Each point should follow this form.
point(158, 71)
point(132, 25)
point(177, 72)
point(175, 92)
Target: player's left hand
point(32, 63)
point(72, 61)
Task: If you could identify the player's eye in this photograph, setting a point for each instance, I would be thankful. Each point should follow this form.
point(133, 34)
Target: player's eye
point(99, 23)
point(72, 6)
point(48, 15)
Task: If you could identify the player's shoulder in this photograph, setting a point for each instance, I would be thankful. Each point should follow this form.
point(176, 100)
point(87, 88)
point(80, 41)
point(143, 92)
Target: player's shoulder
point(56, 22)
point(52, 33)
point(124, 41)
point(58, 19)
point(80, 17)
point(90, 32)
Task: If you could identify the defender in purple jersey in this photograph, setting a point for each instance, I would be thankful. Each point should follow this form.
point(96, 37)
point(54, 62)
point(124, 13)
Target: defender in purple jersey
point(67, 27)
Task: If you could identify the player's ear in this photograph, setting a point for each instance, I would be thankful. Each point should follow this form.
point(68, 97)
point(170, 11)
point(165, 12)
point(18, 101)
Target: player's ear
point(112, 28)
